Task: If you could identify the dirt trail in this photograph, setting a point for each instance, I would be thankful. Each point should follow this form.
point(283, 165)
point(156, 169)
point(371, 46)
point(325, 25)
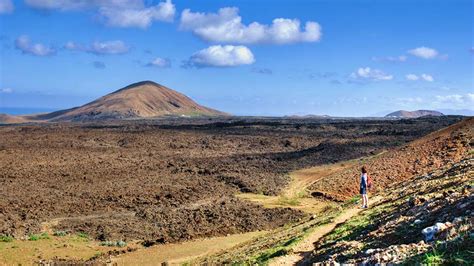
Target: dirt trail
point(177, 254)
point(303, 249)
point(49, 225)
point(296, 194)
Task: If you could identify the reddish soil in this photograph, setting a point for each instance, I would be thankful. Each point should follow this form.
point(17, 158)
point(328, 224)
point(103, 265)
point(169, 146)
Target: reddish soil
point(439, 148)
point(164, 182)
point(391, 232)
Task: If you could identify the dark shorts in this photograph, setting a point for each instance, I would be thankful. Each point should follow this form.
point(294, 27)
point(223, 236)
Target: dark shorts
point(363, 190)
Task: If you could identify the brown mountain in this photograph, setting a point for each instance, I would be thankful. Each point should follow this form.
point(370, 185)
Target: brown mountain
point(11, 119)
point(144, 99)
point(414, 114)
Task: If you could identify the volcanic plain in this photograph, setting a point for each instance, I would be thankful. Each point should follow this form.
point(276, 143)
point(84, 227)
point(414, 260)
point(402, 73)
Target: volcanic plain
point(165, 181)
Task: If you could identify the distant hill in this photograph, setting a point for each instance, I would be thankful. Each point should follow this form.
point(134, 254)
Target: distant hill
point(11, 119)
point(144, 99)
point(414, 114)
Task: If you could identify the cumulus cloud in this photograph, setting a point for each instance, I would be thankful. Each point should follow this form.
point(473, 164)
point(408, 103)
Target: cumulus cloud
point(6, 90)
point(100, 48)
point(424, 52)
point(226, 26)
point(427, 77)
point(456, 99)
point(98, 64)
point(400, 58)
point(221, 56)
point(412, 77)
point(470, 97)
point(110, 47)
point(160, 62)
point(58, 4)
point(366, 73)
point(139, 17)
point(24, 44)
point(117, 13)
point(423, 76)
point(6, 6)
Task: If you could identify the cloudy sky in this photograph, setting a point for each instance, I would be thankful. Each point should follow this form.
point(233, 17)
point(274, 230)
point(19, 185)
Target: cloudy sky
point(266, 57)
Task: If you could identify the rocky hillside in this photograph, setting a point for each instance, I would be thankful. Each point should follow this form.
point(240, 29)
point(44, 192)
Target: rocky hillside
point(427, 220)
point(418, 157)
point(414, 114)
point(425, 184)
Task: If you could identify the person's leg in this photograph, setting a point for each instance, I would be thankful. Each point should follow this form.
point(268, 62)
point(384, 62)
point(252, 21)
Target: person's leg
point(363, 199)
point(367, 200)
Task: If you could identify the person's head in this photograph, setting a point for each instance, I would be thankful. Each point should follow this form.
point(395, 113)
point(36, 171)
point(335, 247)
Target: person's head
point(364, 171)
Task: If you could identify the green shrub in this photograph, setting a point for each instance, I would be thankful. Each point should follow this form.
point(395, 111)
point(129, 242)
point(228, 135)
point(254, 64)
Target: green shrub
point(434, 258)
point(35, 237)
point(82, 235)
point(5, 238)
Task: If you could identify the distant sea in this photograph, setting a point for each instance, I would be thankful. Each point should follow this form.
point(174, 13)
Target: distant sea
point(25, 110)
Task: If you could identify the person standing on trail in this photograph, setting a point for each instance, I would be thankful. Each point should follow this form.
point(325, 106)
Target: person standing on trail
point(363, 188)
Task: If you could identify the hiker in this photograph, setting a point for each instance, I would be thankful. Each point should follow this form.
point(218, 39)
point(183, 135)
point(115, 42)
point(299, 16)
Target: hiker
point(364, 187)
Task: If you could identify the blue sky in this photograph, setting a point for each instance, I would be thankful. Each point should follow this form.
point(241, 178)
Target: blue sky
point(345, 58)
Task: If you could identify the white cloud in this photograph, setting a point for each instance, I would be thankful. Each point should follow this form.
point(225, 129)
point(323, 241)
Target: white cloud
point(221, 56)
point(469, 97)
point(73, 46)
point(6, 6)
point(6, 90)
point(412, 77)
point(24, 44)
point(423, 76)
point(454, 98)
point(400, 58)
point(117, 13)
point(424, 52)
point(226, 26)
point(141, 18)
point(100, 48)
point(110, 47)
point(59, 4)
point(366, 73)
point(427, 77)
point(459, 100)
point(160, 62)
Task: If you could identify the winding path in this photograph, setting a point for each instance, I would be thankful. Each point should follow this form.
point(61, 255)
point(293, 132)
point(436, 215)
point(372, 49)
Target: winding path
point(303, 249)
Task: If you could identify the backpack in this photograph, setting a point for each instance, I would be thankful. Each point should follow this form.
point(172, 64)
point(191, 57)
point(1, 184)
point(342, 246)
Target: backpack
point(369, 182)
